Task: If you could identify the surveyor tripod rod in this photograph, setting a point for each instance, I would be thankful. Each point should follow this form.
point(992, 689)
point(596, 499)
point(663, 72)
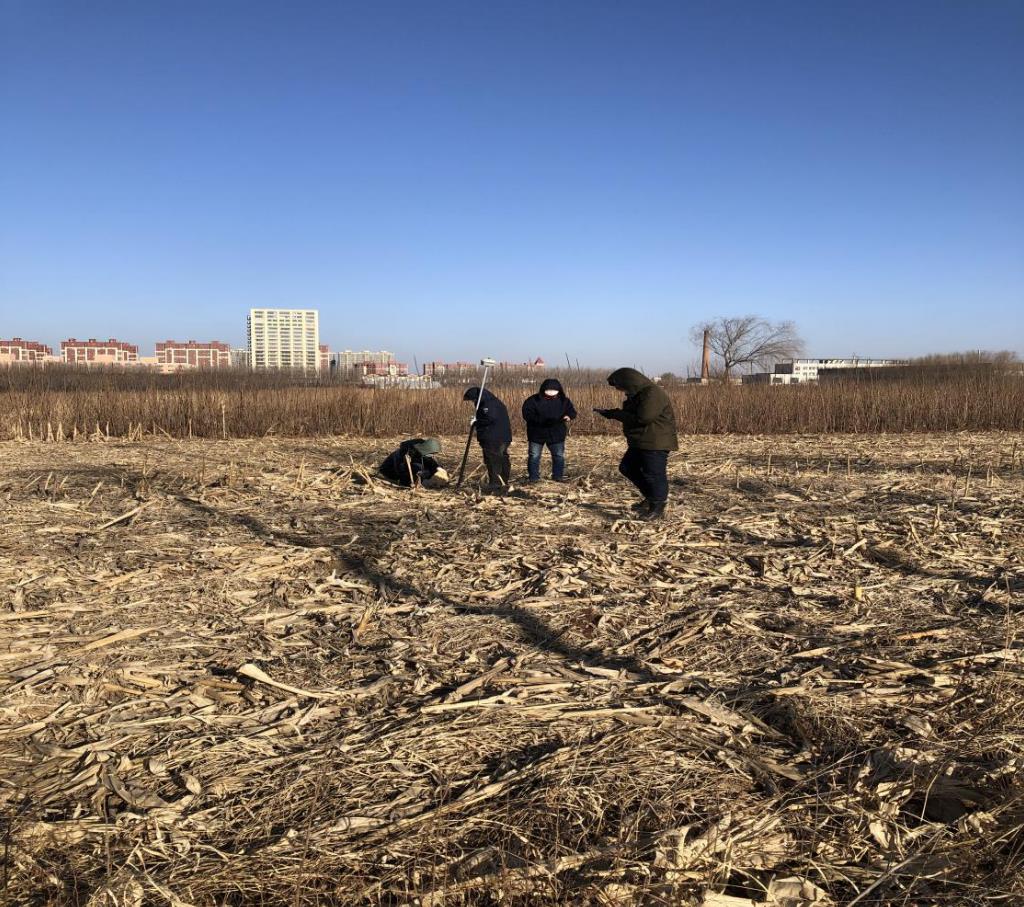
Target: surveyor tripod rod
point(472, 427)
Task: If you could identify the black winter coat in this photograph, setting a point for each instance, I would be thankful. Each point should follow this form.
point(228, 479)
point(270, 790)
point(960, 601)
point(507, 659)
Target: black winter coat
point(545, 416)
point(394, 468)
point(492, 424)
point(648, 420)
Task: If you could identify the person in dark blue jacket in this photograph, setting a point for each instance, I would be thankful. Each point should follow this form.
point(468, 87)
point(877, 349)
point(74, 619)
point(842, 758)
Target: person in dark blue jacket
point(547, 415)
point(494, 432)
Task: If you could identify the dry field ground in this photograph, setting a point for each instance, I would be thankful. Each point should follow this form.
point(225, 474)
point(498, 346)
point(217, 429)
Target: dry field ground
point(276, 681)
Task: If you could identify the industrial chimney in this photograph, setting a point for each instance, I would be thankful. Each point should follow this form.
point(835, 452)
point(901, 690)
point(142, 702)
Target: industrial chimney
point(705, 361)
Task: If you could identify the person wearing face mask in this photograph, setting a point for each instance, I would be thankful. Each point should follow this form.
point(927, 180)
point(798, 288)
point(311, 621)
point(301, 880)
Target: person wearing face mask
point(547, 415)
point(649, 424)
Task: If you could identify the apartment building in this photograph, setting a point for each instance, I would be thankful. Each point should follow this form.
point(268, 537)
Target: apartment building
point(20, 352)
point(98, 352)
point(347, 361)
point(469, 369)
point(382, 369)
point(174, 355)
point(439, 369)
point(536, 365)
point(284, 338)
point(406, 382)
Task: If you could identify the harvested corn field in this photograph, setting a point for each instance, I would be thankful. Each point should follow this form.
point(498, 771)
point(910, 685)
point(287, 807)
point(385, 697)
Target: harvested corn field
point(247, 672)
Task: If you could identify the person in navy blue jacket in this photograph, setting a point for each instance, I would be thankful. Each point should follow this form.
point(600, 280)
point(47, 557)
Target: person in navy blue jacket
point(494, 432)
point(547, 415)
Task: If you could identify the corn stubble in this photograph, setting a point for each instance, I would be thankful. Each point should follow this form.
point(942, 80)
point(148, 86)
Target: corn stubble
point(247, 672)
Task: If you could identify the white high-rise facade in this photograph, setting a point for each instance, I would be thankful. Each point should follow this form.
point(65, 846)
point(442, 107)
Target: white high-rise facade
point(284, 338)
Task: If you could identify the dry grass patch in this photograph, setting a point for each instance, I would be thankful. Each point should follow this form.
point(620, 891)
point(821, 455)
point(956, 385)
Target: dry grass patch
point(245, 672)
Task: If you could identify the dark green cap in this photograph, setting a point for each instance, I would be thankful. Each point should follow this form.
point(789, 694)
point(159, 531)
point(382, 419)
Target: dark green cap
point(427, 447)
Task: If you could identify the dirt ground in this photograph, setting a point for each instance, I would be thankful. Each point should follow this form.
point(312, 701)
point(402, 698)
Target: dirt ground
point(250, 673)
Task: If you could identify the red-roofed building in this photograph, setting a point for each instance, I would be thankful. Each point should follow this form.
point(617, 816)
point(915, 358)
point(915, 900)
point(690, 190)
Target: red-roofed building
point(18, 352)
point(98, 352)
point(174, 356)
point(388, 369)
point(449, 369)
point(537, 364)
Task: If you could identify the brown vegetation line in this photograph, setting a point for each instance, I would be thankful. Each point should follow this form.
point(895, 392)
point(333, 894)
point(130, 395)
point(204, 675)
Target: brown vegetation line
point(239, 672)
point(240, 405)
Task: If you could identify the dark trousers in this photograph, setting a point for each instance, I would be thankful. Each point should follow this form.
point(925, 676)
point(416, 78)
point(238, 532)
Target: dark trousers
point(648, 470)
point(499, 466)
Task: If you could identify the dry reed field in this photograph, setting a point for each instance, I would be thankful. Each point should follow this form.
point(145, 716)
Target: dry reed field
point(68, 403)
point(247, 672)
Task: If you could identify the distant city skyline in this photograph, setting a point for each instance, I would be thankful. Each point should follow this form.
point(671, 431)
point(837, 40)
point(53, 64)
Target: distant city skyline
point(243, 344)
point(416, 364)
point(457, 180)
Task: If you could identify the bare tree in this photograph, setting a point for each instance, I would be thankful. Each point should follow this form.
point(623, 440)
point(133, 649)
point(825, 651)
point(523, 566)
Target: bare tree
point(748, 340)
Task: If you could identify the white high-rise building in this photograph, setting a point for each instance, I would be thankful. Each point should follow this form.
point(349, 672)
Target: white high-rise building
point(284, 338)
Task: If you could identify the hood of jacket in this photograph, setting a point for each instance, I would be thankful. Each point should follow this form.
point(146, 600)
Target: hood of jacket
point(474, 392)
point(552, 384)
point(629, 380)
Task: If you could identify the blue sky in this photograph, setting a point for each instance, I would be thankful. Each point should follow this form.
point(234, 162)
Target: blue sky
point(515, 179)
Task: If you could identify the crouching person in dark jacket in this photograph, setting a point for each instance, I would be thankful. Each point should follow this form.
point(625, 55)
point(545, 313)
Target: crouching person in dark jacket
point(649, 424)
point(494, 432)
point(547, 415)
point(414, 464)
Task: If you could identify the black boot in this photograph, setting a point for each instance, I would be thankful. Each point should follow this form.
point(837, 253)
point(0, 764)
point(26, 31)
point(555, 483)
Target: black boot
point(656, 512)
point(642, 507)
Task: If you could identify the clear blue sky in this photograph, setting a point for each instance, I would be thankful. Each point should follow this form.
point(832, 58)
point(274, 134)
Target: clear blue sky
point(515, 179)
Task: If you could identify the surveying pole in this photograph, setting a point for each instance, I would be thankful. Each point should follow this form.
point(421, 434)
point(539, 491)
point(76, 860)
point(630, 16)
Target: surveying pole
point(487, 364)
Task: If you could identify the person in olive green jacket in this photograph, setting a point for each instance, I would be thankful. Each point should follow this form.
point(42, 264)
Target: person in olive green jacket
point(649, 424)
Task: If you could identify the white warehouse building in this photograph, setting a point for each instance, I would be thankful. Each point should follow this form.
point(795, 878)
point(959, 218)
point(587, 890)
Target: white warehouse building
point(284, 338)
point(802, 371)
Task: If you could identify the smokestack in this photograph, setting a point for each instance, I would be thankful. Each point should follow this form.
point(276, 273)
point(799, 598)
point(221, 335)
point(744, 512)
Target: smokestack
point(705, 361)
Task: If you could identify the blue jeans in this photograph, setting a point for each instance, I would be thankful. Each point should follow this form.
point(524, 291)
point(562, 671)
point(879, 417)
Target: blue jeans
point(557, 459)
